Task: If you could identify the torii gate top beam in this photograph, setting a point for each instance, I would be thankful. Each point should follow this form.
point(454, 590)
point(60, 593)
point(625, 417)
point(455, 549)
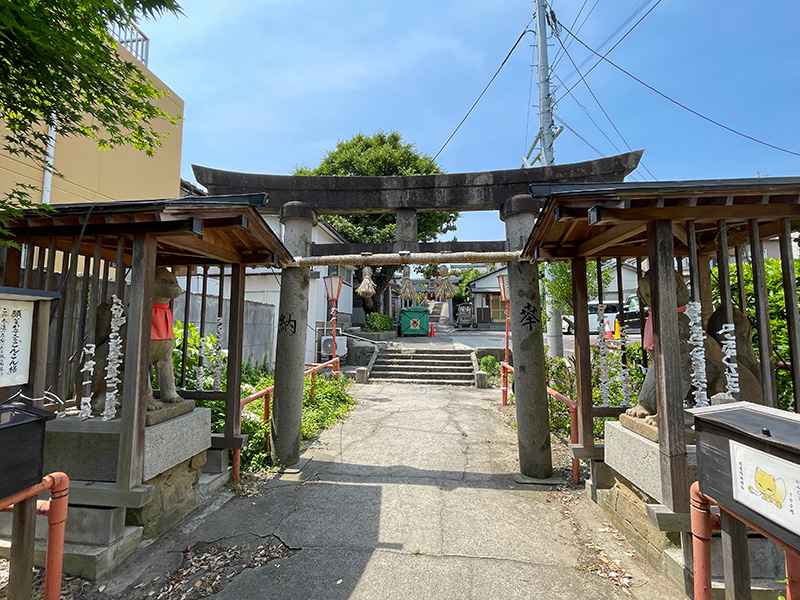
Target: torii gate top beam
point(448, 192)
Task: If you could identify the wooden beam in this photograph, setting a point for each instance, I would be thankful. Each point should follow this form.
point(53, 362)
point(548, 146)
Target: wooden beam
point(190, 226)
point(672, 441)
point(337, 249)
point(767, 361)
point(741, 212)
point(218, 249)
point(792, 312)
point(610, 237)
point(136, 386)
point(583, 364)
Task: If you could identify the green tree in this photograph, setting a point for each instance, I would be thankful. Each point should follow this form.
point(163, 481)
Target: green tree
point(380, 154)
point(557, 282)
point(777, 315)
point(59, 67)
point(463, 293)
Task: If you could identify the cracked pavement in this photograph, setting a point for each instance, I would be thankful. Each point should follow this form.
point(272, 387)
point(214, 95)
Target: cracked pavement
point(413, 496)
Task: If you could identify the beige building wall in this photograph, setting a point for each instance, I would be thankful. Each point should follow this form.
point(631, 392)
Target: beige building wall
point(94, 175)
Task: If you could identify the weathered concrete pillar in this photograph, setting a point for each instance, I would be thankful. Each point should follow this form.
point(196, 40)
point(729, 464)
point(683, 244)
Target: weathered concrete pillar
point(290, 352)
point(530, 379)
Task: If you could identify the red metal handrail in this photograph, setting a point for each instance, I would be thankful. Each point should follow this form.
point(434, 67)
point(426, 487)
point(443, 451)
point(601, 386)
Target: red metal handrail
point(266, 393)
point(56, 510)
point(505, 369)
point(704, 521)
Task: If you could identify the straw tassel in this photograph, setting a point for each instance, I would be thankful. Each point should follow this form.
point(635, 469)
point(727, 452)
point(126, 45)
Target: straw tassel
point(407, 291)
point(366, 288)
point(446, 289)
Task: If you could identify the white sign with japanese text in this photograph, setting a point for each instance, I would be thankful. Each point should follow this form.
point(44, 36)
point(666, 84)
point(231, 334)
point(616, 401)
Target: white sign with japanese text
point(767, 485)
point(16, 326)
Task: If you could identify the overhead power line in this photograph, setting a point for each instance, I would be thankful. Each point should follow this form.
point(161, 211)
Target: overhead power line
point(679, 104)
point(597, 100)
point(610, 50)
point(474, 104)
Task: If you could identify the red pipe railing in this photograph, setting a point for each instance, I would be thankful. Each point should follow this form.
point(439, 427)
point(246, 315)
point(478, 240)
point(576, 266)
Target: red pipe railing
point(704, 521)
point(505, 369)
point(56, 510)
point(266, 393)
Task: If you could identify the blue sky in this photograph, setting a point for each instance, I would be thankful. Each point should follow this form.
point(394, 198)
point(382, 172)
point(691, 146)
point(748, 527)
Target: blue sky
point(272, 84)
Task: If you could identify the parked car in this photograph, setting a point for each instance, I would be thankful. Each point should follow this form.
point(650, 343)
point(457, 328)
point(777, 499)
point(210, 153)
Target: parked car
point(568, 324)
point(634, 315)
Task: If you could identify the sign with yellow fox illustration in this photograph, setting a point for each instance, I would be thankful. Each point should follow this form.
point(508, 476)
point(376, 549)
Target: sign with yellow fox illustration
point(767, 485)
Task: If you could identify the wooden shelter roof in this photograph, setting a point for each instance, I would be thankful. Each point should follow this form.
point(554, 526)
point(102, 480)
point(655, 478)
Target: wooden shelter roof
point(610, 220)
point(189, 231)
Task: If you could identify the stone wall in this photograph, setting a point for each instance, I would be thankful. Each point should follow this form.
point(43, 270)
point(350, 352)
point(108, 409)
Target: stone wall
point(259, 321)
point(174, 498)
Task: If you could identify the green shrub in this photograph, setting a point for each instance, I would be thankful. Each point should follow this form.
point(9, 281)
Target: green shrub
point(490, 365)
point(378, 322)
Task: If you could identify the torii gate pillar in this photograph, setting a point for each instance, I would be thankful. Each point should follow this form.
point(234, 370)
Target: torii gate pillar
point(298, 218)
point(530, 376)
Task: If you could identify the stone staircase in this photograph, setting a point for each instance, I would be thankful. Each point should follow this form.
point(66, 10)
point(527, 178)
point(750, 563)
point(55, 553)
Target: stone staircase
point(425, 366)
point(436, 312)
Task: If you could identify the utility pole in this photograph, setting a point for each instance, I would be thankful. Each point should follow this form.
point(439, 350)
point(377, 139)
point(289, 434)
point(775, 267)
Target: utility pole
point(547, 134)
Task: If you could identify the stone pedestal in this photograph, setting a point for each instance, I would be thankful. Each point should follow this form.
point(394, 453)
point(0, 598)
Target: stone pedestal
point(636, 458)
point(87, 450)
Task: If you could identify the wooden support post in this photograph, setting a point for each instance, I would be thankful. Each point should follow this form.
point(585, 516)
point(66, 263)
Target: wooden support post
point(694, 268)
point(187, 304)
point(39, 342)
point(792, 313)
point(41, 264)
point(51, 265)
point(742, 300)
point(104, 294)
point(583, 356)
point(13, 267)
point(29, 252)
point(723, 272)
point(119, 267)
point(762, 317)
point(642, 318)
point(23, 538)
point(138, 308)
point(71, 291)
point(706, 299)
point(58, 381)
point(235, 335)
point(672, 439)
point(735, 559)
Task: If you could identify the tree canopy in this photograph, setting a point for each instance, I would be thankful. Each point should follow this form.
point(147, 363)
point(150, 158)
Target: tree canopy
point(59, 67)
point(380, 154)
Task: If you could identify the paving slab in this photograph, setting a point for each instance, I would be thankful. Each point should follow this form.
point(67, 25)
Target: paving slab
point(411, 497)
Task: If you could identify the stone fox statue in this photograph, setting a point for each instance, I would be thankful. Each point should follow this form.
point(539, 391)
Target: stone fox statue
point(162, 342)
point(749, 374)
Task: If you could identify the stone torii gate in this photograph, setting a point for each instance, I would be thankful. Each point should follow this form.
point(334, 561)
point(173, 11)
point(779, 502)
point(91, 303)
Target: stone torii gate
point(299, 199)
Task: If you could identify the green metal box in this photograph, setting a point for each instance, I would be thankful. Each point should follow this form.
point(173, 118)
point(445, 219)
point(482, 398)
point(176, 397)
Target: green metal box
point(415, 320)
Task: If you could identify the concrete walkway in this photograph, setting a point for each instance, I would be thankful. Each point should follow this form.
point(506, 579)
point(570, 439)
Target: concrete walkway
point(412, 497)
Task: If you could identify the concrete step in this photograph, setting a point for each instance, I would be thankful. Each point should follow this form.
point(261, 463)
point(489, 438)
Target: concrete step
point(421, 381)
point(424, 360)
point(428, 375)
point(423, 368)
point(427, 354)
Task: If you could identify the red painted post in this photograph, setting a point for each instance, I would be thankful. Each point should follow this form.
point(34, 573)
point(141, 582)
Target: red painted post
point(507, 324)
point(504, 383)
point(700, 511)
point(792, 576)
point(313, 385)
point(56, 511)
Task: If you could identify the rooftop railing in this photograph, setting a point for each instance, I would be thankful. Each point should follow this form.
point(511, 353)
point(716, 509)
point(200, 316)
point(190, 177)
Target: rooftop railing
point(133, 40)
